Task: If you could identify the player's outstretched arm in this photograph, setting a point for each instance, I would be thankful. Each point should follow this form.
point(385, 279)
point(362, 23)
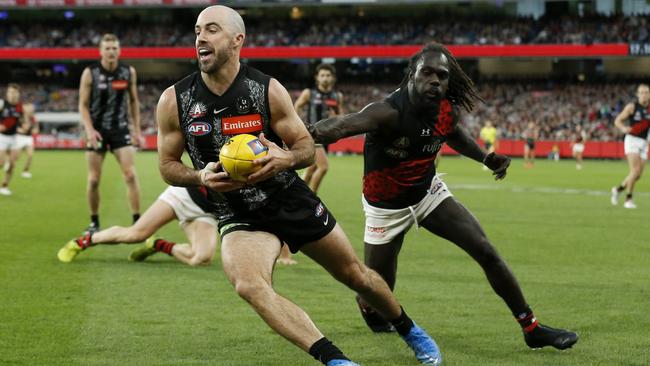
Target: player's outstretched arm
point(171, 144)
point(373, 117)
point(286, 123)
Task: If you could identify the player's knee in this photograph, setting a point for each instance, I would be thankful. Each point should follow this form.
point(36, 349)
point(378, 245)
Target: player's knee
point(129, 176)
point(357, 277)
point(254, 292)
point(93, 182)
point(486, 255)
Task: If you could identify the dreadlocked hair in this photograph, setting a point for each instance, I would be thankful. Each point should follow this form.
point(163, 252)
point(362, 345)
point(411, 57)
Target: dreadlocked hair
point(461, 91)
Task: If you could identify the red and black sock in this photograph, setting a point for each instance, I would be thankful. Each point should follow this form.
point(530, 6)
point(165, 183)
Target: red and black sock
point(325, 351)
point(164, 246)
point(85, 241)
point(527, 320)
point(403, 324)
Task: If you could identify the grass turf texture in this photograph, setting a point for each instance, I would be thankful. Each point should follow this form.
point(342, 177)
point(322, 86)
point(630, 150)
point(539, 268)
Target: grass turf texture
point(582, 263)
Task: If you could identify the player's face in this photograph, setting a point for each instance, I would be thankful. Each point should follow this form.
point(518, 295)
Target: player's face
point(643, 93)
point(215, 45)
point(324, 79)
point(431, 77)
point(109, 50)
point(13, 95)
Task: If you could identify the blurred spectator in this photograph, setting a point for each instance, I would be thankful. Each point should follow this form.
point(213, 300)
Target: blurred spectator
point(341, 31)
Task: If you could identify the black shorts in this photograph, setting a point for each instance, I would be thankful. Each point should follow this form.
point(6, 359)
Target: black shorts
point(530, 143)
point(111, 140)
point(296, 216)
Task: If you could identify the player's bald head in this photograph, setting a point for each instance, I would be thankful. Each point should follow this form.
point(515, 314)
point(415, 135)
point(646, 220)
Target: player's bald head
point(226, 17)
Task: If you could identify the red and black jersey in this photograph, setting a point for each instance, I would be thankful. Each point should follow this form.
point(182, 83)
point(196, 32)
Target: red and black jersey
point(399, 164)
point(639, 121)
point(10, 116)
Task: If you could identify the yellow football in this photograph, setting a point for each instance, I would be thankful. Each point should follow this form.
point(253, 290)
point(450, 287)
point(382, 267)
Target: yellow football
point(237, 155)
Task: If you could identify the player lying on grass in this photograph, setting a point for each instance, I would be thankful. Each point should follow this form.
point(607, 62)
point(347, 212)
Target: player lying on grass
point(188, 206)
point(175, 203)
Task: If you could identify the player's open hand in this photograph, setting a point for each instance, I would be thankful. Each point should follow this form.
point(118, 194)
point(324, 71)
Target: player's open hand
point(498, 164)
point(276, 161)
point(215, 178)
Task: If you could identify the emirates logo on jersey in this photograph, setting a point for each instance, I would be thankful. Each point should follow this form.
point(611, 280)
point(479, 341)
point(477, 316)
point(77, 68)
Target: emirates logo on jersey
point(241, 124)
point(119, 84)
point(198, 110)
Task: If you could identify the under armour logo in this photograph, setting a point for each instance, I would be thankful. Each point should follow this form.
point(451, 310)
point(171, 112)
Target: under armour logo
point(426, 132)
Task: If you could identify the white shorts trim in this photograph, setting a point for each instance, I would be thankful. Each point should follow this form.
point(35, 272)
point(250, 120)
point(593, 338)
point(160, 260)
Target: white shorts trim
point(578, 148)
point(383, 225)
point(185, 209)
point(636, 145)
point(8, 142)
point(22, 141)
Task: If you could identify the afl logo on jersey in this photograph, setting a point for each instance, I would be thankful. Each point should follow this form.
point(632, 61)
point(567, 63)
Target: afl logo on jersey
point(199, 128)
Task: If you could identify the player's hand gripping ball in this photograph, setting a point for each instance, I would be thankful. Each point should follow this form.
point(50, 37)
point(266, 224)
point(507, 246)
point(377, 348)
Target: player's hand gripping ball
point(237, 156)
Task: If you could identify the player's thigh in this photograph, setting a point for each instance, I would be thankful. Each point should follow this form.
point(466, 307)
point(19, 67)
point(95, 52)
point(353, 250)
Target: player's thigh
point(452, 221)
point(248, 256)
point(156, 216)
point(94, 161)
point(126, 158)
point(634, 161)
point(13, 155)
point(333, 252)
point(202, 236)
point(378, 256)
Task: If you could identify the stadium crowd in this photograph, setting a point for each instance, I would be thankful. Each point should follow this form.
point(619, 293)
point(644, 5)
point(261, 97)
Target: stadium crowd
point(556, 108)
point(342, 31)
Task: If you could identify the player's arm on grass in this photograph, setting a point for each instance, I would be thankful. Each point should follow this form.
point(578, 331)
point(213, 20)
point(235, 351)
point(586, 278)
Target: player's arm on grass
point(286, 123)
point(373, 117)
point(134, 107)
point(85, 86)
point(623, 116)
point(463, 143)
point(171, 144)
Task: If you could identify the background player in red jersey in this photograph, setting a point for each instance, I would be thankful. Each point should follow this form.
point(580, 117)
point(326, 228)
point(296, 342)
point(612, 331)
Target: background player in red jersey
point(404, 133)
point(14, 118)
point(634, 122)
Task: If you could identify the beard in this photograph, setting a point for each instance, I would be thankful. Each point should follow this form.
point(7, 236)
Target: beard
point(220, 58)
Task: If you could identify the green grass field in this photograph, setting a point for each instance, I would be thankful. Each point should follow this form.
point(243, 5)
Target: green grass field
point(583, 264)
